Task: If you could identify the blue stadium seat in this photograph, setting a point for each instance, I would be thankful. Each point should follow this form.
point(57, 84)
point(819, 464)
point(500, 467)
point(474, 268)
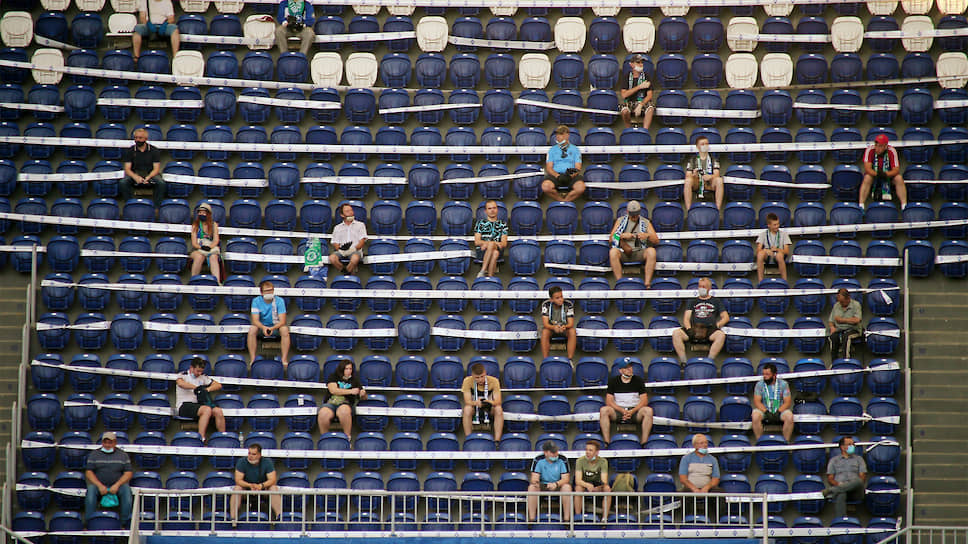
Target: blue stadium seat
point(671, 71)
point(777, 25)
point(707, 70)
point(811, 69)
point(776, 107)
point(430, 70)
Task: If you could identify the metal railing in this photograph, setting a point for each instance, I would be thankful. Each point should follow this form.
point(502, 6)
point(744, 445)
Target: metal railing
point(928, 534)
point(908, 412)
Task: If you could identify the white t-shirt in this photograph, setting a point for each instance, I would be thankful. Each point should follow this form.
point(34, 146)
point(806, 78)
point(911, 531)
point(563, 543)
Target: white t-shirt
point(158, 10)
point(353, 233)
point(183, 395)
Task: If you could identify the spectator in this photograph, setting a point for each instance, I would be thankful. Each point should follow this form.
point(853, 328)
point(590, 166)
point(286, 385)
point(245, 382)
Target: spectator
point(108, 471)
point(698, 470)
point(772, 402)
point(348, 240)
point(846, 474)
point(549, 472)
point(844, 323)
point(142, 168)
point(343, 391)
point(633, 239)
point(591, 476)
point(563, 169)
point(156, 19)
point(256, 473)
point(557, 321)
point(205, 240)
point(702, 175)
point(626, 400)
point(772, 246)
point(490, 239)
point(268, 316)
point(637, 93)
point(295, 17)
point(701, 323)
point(482, 401)
point(882, 164)
point(193, 397)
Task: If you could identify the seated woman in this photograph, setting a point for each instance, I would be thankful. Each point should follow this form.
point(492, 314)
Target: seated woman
point(205, 241)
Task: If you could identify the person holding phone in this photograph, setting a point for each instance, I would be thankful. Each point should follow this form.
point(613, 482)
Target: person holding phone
point(205, 241)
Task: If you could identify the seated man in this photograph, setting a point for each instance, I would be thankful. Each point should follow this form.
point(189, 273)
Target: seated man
point(490, 239)
point(482, 401)
point(157, 19)
point(882, 165)
point(256, 473)
point(698, 470)
point(563, 169)
point(295, 17)
point(193, 397)
point(637, 93)
point(633, 239)
point(591, 476)
point(142, 169)
point(549, 472)
point(269, 318)
point(772, 403)
point(626, 400)
point(772, 246)
point(348, 240)
point(701, 323)
point(846, 474)
point(702, 175)
point(557, 321)
point(108, 471)
point(844, 323)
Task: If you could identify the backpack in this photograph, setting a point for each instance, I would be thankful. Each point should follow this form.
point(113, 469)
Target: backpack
point(624, 482)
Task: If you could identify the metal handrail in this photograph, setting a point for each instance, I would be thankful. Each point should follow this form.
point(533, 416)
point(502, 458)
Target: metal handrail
point(908, 406)
point(918, 534)
point(14, 535)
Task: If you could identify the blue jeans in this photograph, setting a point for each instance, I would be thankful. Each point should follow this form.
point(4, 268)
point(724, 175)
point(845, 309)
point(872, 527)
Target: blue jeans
point(93, 500)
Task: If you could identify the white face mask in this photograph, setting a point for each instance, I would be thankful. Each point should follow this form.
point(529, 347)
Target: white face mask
point(268, 297)
point(107, 450)
point(704, 148)
point(703, 291)
point(348, 218)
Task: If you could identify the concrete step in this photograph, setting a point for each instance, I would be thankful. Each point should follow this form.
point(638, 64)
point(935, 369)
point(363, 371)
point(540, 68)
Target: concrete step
point(933, 404)
point(953, 391)
point(937, 362)
point(923, 377)
point(942, 485)
point(945, 471)
point(936, 431)
point(946, 345)
point(938, 320)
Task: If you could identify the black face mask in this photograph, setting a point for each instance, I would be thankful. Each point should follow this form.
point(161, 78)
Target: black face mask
point(202, 217)
point(769, 381)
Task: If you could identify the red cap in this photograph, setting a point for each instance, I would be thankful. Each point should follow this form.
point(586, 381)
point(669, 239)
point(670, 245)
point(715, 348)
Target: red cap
point(881, 139)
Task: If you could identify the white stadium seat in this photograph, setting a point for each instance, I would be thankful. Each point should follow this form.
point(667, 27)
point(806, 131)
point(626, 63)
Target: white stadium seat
point(16, 29)
point(327, 69)
point(674, 11)
point(917, 7)
point(432, 34)
point(606, 11)
point(847, 34)
point(366, 10)
point(188, 63)
point(570, 34)
point(741, 70)
point(534, 70)
point(780, 9)
point(361, 69)
point(125, 6)
point(741, 26)
point(229, 6)
point(122, 23)
point(258, 28)
point(194, 6)
point(776, 70)
point(47, 57)
point(89, 5)
point(55, 5)
point(504, 11)
point(917, 23)
point(401, 11)
point(882, 7)
point(638, 34)
point(952, 64)
point(952, 7)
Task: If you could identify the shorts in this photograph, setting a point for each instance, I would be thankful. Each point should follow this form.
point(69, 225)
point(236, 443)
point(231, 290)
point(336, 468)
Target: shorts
point(333, 407)
point(189, 409)
point(636, 255)
point(162, 30)
point(768, 417)
point(691, 333)
point(346, 254)
point(564, 186)
point(631, 104)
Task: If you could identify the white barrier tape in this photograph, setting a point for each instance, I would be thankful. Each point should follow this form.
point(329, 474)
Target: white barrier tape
point(470, 150)
point(783, 38)
point(428, 107)
point(846, 261)
point(521, 4)
point(776, 333)
point(580, 267)
point(501, 44)
point(73, 176)
point(59, 490)
point(44, 40)
point(933, 33)
point(151, 103)
point(950, 259)
point(849, 107)
point(706, 267)
point(32, 107)
point(356, 180)
point(484, 335)
point(716, 114)
point(790, 497)
point(287, 103)
point(634, 184)
point(770, 183)
point(553, 106)
point(122, 254)
point(422, 256)
point(938, 181)
point(890, 333)
point(147, 375)
point(624, 333)
point(398, 294)
point(320, 38)
point(946, 104)
point(486, 179)
point(215, 182)
point(21, 249)
point(187, 328)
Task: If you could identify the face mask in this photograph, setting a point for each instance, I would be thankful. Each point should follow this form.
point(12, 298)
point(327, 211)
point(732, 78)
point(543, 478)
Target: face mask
point(769, 381)
point(851, 449)
point(348, 218)
point(703, 451)
point(563, 145)
point(202, 217)
point(107, 450)
point(551, 459)
point(703, 291)
point(268, 297)
point(704, 148)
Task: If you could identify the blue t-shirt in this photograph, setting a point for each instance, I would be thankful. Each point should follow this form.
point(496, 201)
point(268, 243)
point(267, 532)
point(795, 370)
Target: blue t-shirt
point(693, 457)
point(559, 163)
point(550, 472)
point(264, 309)
point(772, 395)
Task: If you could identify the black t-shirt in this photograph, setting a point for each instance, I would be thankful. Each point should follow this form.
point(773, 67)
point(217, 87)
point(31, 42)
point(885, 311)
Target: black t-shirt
point(706, 312)
point(626, 394)
point(629, 81)
point(142, 162)
point(354, 381)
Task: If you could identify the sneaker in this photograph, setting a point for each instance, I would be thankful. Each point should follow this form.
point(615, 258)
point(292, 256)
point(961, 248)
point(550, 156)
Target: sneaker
point(826, 493)
point(480, 274)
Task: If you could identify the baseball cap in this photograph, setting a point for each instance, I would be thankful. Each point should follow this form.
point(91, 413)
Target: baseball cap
point(110, 435)
point(626, 362)
point(633, 206)
point(881, 139)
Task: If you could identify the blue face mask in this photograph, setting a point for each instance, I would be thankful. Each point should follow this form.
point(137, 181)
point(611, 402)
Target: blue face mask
point(703, 451)
point(107, 450)
point(551, 459)
point(851, 449)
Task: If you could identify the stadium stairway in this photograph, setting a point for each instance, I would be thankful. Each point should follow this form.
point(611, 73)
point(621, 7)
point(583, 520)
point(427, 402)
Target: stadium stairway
point(12, 308)
point(940, 396)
